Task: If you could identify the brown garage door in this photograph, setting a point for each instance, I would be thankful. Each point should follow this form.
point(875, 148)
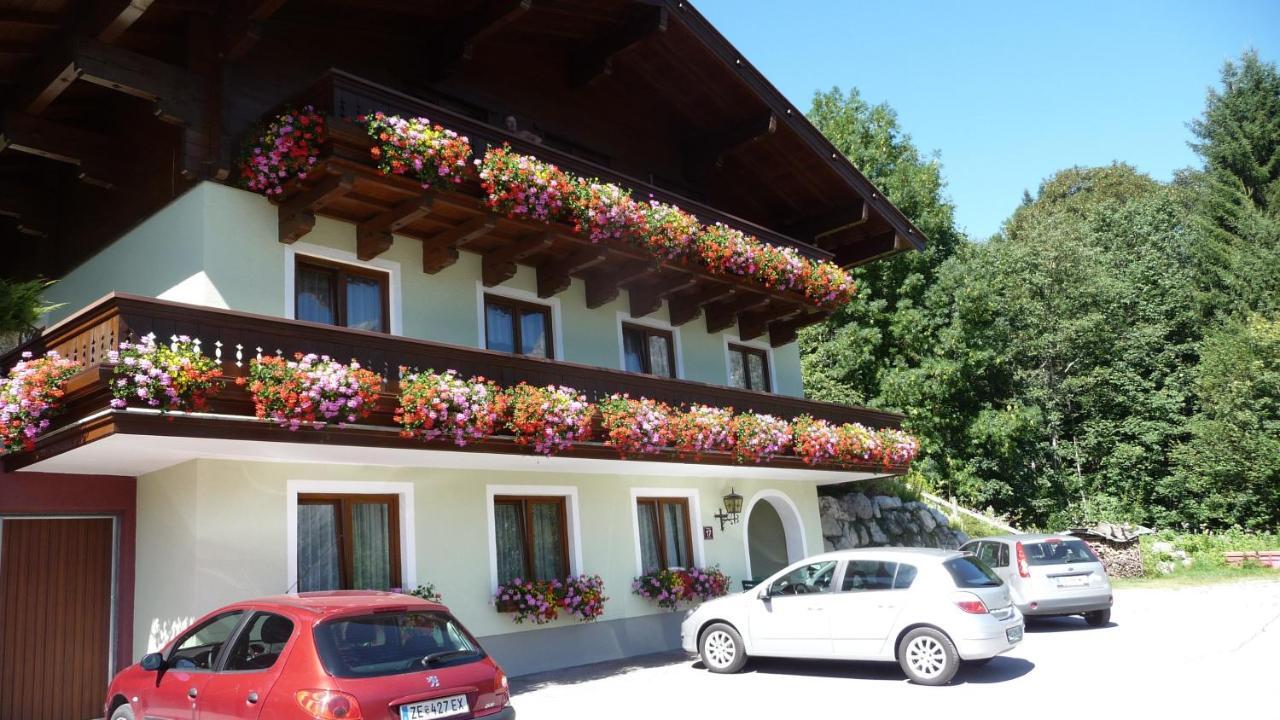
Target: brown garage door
point(55, 617)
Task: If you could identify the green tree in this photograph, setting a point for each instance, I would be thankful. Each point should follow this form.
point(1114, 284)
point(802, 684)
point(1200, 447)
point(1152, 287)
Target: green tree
point(1239, 132)
point(1228, 472)
point(846, 357)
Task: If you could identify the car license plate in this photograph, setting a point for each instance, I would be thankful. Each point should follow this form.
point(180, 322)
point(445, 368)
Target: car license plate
point(1014, 634)
point(436, 708)
point(1073, 581)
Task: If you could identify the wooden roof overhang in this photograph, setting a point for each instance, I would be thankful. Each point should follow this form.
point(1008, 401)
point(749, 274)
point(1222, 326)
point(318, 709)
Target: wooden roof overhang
point(136, 98)
point(234, 338)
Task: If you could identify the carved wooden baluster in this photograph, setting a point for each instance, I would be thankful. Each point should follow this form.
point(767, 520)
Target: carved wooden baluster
point(239, 355)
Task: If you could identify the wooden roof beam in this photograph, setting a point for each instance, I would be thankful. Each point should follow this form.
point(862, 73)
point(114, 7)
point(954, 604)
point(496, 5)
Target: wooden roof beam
point(297, 214)
point(33, 19)
point(784, 331)
point(373, 236)
point(812, 230)
point(710, 150)
point(243, 25)
point(28, 206)
point(555, 276)
point(92, 154)
point(458, 39)
point(499, 266)
point(596, 60)
point(686, 307)
point(872, 248)
point(441, 250)
point(118, 15)
point(752, 325)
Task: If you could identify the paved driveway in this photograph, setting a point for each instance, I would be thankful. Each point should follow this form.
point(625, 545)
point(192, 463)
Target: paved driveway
point(1192, 652)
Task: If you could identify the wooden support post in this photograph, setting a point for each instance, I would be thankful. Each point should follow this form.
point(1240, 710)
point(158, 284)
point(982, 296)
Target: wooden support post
point(373, 236)
point(441, 250)
point(297, 213)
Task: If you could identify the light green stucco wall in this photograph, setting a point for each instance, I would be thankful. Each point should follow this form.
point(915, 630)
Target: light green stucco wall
point(217, 246)
point(211, 532)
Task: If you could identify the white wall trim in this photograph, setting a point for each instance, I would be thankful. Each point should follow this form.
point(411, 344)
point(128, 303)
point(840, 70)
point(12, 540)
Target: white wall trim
point(557, 325)
point(649, 321)
point(408, 549)
point(754, 345)
point(390, 267)
point(792, 525)
point(568, 492)
point(695, 519)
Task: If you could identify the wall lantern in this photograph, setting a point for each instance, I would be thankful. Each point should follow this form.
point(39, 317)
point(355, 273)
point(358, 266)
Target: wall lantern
point(731, 511)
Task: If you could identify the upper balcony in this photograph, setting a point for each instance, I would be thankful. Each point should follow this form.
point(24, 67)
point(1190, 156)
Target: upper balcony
point(81, 437)
point(347, 185)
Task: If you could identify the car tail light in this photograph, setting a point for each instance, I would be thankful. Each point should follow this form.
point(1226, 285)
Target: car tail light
point(500, 683)
point(971, 604)
point(329, 704)
point(1023, 570)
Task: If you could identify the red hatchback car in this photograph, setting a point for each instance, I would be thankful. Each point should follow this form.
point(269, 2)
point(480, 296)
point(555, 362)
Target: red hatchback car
point(317, 656)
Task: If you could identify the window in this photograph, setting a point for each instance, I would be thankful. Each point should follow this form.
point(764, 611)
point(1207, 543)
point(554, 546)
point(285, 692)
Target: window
point(260, 643)
point(1058, 552)
point(517, 327)
point(348, 542)
point(749, 368)
point(905, 576)
point(393, 643)
point(198, 649)
point(665, 534)
point(335, 294)
point(811, 578)
point(648, 350)
point(531, 537)
point(970, 572)
point(989, 553)
point(862, 575)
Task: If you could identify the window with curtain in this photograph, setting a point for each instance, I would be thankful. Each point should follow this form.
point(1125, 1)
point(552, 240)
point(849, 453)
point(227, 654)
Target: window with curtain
point(532, 537)
point(348, 542)
point(517, 327)
point(648, 350)
point(749, 368)
point(336, 294)
point(665, 533)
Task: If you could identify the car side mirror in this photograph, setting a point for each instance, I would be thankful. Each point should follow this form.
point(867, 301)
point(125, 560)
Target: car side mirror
point(764, 593)
point(151, 662)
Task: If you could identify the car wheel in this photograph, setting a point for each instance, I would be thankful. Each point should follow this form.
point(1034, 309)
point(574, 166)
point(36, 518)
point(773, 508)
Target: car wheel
point(928, 657)
point(124, 712)
point(1098, 618)
point(722, 649)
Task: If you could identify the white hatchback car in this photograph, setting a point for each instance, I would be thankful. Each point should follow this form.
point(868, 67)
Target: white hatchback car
point(926, 609)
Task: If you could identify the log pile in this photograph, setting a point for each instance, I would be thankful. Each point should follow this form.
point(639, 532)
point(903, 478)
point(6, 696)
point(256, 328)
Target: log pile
point(1119, 559)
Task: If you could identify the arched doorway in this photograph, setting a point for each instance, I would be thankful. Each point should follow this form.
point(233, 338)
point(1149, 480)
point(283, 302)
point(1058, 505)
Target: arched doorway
point(774, 533)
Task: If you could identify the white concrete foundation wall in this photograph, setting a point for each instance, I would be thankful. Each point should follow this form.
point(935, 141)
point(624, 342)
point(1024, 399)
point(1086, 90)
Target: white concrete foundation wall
point(215, 531)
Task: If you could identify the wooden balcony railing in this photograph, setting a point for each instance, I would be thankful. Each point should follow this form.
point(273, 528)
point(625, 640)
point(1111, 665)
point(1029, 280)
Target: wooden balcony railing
point(236, 338)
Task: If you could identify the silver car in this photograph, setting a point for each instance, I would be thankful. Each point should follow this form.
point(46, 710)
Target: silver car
point(1049, 575)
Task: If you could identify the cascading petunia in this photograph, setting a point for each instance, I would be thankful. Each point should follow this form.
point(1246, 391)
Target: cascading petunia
point(310, 390)
point(759, 437)
point(550, 419)
point(282, 149)
point(431, 154)
point(635, 427)
point(435, 405)
point(30, 395)
point(177, 376)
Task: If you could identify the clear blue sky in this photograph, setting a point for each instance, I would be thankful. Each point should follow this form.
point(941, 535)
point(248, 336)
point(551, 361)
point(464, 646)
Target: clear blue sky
point(1010, 92)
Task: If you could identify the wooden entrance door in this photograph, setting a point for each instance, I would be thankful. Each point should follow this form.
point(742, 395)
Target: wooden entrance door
point(55, 616)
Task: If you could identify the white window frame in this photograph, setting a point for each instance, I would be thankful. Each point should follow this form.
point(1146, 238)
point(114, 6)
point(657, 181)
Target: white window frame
point(320, 252)
point(553, 303)
point(695, 518)
point(754, 345)
point(404, 493)
point(624, 318)
point(570, 495)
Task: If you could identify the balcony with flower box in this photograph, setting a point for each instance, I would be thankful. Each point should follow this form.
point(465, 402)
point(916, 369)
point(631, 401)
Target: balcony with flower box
point(89, 433)
point(346, 183)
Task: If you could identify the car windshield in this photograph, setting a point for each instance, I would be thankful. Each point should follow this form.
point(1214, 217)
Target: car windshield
point(1058, 552)
point(393, 643)
point(970, 572)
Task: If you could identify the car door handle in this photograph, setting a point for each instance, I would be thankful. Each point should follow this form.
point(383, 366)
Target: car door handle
point(192, 693)
point(252, 698)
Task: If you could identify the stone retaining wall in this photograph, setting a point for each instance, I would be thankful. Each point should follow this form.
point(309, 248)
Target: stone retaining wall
point(855, 520)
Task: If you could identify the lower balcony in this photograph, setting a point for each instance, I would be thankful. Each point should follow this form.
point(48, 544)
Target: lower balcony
point(88, 435)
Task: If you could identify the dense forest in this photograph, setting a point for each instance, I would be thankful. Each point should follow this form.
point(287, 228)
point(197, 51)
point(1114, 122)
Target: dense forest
point(1113, 353)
